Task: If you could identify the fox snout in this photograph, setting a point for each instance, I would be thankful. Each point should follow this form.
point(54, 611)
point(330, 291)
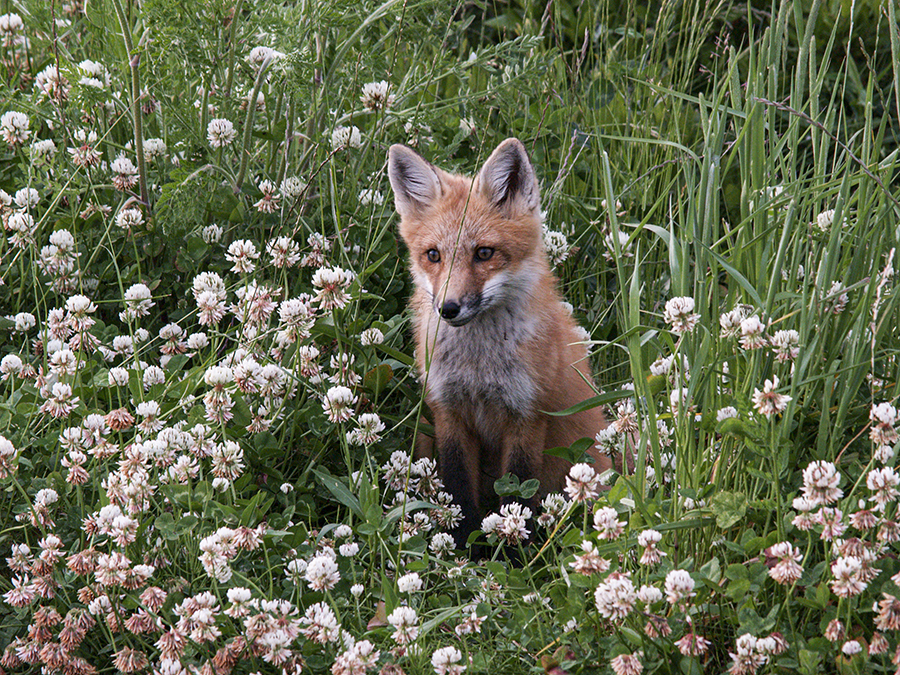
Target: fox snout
point(458, 312)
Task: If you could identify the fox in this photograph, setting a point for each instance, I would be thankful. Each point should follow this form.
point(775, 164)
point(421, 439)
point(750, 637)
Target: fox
point(496, 348)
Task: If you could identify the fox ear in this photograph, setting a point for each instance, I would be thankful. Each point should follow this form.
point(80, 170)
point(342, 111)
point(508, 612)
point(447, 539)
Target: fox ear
point(507, 178)
point(415, 182)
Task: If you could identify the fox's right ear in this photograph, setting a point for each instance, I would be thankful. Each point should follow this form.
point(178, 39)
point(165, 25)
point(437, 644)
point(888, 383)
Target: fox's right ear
point(415, 182)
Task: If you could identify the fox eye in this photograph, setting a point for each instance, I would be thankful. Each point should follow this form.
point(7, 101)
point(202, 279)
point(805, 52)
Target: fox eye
point(433, 255)
point(483, 253)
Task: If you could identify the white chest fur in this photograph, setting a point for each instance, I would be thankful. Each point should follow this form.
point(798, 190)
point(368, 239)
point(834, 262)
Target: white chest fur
point(481, 361)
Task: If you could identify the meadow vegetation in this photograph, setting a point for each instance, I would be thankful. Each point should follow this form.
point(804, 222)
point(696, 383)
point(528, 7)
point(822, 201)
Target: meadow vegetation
point(207, 390)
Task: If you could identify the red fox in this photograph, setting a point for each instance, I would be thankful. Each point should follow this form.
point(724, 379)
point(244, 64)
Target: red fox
point(496, 347)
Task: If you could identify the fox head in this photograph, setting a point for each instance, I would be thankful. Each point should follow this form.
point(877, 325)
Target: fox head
point(474, 244)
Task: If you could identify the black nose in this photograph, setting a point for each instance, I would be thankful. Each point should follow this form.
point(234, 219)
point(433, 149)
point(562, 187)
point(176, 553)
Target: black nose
point(450, 309)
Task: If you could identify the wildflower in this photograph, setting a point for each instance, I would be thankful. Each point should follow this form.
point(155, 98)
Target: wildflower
point(752, 330)
point(367, 197)
point(377, 96)
point(825, 220)
point(292, 187)
point(27, 198)
point(10, 365)
point(284, 251)
point(649, 539)
point(768, 402)
point(582, 483)
point(786, 570)
point(446, 661)
point(260, 54)
point(835, 301)
point(345, 137)
point(589, 562)
point(227, 460)
point(357, 590)
point(153, 148)
point(679, 313)
point(884, 419)
point(368, 431)
point(14, 128)
point(85, 155)
point(220, 132)
point(888, 613)
point(820, 483)
point(627, 664)
point(883, 483)
point(846, 577)
point(322, 573)
point(338, 404)
point(834, 631)
point(747, 658)
point(692, 645)
point(851, 648)
point(93, 74)
point(405, 623)
point(679, 587)
point(556, 245)
point(553, 507)
point(242, 253)
point(730, 321)
point(137, 302)
point(320, 623)
point(356, 660)
point(61, 402)
point(786, 345)
point(125, 172)
point(332, 283)
point(726, 413)
point(268, 203)
point(615, 597)
point(371, 336)
point(878, 644)
point(831, 521)
point(607, 524)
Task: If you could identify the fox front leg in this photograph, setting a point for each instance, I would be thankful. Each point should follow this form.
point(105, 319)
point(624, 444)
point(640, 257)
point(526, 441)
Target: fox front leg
point(523, 455)
point(458, 457)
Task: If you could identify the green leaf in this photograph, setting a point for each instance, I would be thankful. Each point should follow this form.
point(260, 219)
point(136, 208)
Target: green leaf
point(340, 492)
point(729, 508)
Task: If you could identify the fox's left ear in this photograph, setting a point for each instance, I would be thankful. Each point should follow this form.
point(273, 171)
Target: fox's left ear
point(507, 178)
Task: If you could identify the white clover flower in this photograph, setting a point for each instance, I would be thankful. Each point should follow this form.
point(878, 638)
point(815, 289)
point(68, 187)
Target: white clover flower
point(43, 149)
point(406, 625)
point(220, 132)
point(582, 483)
point(242, 253)
point(332, 284)
point(446, 661)
point(212, 234)
point(556, 245)
point(367, 197)
point(679, 586)
point(409, 583)
point(345, 137)
point(368, 431)
point(322, 573)
point(292, 187)
point(117, 377)
point(27, 198)
point(338, 404)
point(371, 336)
point(615, 597)
point(752, 329)
point(137, 302)
point(679, 313)
point(259, 55)
point(768, 402)
point(726, 413)
point(129, 219)
point(93, 74)
point(14, 127)
point(153, 148)
point(820, 483)
point(377, 96)
point(825, 220)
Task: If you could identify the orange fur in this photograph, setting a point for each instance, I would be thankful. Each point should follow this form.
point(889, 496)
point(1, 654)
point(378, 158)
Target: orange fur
point(496, 347)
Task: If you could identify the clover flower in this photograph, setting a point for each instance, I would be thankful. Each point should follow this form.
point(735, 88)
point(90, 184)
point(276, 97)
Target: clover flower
point(332, 284)
point(406, 625)
point(615, 597)
point(787, 569)
point(377, 96)
point(820, 483)
point(220, 132)
point(769, 402)
point(679, 313)
point(345, 137)
point(582, 483)
point(679, 587)
point(14, 127)
point(627, 664)
point(445, 661)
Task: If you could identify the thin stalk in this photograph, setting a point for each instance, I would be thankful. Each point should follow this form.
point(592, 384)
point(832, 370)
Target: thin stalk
point(248, 124)
point(134, 60)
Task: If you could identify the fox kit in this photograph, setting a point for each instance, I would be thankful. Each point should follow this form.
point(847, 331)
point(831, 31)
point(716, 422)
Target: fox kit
point(496, 347)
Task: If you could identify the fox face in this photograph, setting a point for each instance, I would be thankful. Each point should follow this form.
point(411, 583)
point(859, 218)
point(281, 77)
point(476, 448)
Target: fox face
point(475, 244)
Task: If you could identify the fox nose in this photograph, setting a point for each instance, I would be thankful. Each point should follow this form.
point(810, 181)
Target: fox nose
point(450, 309)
